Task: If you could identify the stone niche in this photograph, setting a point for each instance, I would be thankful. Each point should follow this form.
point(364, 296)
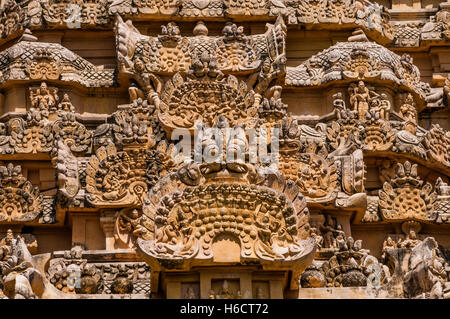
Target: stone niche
point(220, 283)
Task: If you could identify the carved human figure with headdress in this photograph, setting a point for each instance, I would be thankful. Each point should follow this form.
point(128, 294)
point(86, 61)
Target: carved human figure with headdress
point(339, 105)
point(410, 241)
point(385, 107)
point(330, 231)
point(359, 99)
point(43, 98)
point(408, 110)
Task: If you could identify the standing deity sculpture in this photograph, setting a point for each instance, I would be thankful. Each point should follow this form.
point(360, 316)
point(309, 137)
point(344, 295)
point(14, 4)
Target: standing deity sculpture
point(359, 99)
point(330, 230)
point(408, 110)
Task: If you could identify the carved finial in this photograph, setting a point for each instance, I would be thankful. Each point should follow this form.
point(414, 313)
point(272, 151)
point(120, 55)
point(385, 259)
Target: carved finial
point(200, 29)
point(28, 36)
point(358, 36)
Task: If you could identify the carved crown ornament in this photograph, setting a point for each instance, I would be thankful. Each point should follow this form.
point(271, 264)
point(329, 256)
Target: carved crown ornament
point(405, 197)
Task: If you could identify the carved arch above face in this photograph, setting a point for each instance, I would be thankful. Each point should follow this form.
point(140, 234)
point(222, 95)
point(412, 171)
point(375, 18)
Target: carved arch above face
point(187, 210)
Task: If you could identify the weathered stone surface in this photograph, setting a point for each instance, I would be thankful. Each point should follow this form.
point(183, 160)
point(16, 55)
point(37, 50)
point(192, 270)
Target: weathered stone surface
point(224, 149)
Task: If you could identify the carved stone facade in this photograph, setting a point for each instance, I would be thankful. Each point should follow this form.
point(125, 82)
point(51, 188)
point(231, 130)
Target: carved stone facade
point(224, 149)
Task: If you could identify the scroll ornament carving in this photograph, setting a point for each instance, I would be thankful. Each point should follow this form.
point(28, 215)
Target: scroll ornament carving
point(202, 8)
point(19, 199)
point(129, 130)
point(72, 133)
point(182, 226)
point(405, 197)
point(165, 7)
point(235, 50)
point(350, 266)
point(43, 66)
point(165, 54)
point(246, 8)
point(66, 13)
point(116, 177)
point(202, 95)
point(33, 135)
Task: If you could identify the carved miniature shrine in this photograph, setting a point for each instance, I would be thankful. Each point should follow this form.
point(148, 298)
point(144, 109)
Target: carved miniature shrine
point(224, 149)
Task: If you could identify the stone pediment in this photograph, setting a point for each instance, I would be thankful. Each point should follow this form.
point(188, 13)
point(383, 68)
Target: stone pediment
point(32, 60)
point(187, 220)
point(169, 52)
point(355, 60)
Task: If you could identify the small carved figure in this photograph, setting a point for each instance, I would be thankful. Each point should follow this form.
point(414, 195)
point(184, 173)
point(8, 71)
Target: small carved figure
point(410, 241)
point(359, 99)
point(44, 98)
point(330, 231)
point(190, 294)
point(260, 293)
point(339, 105)
point(385, 107)
point(66, 104)
point(225, 292)
point(408, 110)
